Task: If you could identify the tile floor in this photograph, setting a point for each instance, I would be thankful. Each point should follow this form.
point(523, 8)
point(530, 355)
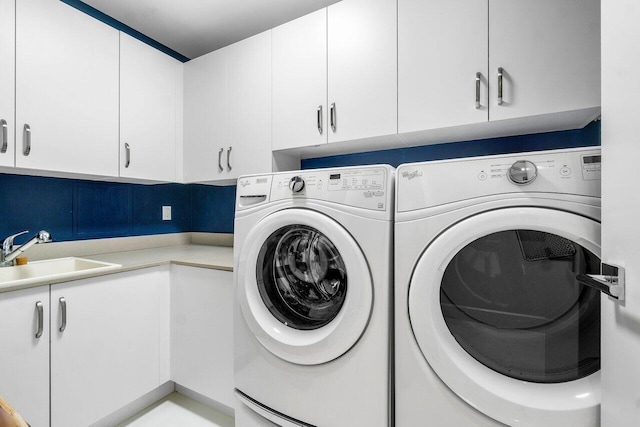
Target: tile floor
point(178, 410)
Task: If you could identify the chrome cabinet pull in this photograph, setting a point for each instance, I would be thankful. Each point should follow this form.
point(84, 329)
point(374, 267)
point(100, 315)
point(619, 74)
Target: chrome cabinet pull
point(478, 90)
point(27, 139)
point(63, 309)
point(319, 118)
point(500, 70)
point(332, 115)
point(5, 136)
point(40, 319)
point(229, 159)
point(127, 152)
point(220, 167)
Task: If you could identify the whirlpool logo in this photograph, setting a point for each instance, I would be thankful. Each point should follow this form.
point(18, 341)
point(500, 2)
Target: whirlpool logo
point(244, 183)
point(411, 174)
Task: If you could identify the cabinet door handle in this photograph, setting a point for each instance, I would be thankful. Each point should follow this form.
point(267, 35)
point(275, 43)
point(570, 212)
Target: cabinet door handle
point(63, 310)
point(40, 319)
point(220, 167)
point(478, 75)
point(27, 139)
point(127, 154)
point(332, 115)
point(500, 70)
point(319, 119)
point(229, 159)
point(5, 136)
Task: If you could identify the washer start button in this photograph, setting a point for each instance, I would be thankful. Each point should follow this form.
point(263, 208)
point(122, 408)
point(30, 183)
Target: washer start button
point(565, 171)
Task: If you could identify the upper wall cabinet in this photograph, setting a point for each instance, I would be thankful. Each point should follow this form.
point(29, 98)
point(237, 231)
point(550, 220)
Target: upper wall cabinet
point(300, 82)
point(541, 58)
point(549, 54)
point(150, 93)
point(228, 112)
point(335, 75)
point(206, 138)
point(66, 90)
point(7, 81)
point(249, 106)
point(442, 53)
point(362, 69)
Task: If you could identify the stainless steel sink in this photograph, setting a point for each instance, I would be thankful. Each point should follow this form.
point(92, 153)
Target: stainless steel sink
point(52, 269)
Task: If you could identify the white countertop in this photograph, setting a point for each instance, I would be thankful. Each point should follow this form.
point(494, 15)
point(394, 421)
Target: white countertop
point(184, 253)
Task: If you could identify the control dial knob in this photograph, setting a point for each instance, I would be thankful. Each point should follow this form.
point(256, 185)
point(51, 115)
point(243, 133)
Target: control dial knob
point(523, 172)
point(296, 184)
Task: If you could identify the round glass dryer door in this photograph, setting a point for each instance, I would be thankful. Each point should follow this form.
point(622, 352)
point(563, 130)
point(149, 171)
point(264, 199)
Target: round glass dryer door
point(499, 315)
point(304, 286)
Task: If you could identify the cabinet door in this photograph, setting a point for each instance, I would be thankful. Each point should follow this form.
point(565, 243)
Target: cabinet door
point(115, 347)
point(362, 64)
point(24, 359)
point(300, 82)
point(149, 82)
point(442, 51)
point(620, 345)
point(249, 106)
point(202, 331)
point(7, 81)
point(66, 90)
point(205, 117)
point(549, 51)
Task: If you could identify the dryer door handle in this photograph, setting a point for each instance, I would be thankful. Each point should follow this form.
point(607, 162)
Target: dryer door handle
point(611, 282)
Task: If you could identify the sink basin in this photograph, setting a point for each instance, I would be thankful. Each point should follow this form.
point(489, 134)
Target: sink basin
point(52, 269)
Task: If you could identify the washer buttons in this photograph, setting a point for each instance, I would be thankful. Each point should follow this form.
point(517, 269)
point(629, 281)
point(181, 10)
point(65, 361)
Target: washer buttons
point(482, 176)
point(565, 171)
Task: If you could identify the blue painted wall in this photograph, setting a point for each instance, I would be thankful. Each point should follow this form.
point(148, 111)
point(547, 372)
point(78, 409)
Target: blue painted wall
point(585, 137)
point(76, 210)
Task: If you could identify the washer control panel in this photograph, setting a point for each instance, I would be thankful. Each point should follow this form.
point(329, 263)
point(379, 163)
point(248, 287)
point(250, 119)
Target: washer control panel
point(365, 187)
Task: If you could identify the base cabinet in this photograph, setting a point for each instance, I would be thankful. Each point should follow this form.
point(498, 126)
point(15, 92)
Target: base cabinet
point(113, 347)
point(202, 332)
point(24, 359)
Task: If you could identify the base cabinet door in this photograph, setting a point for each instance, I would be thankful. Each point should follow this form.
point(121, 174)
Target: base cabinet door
point(109, 344)
point(24, 359)
point(202, 331)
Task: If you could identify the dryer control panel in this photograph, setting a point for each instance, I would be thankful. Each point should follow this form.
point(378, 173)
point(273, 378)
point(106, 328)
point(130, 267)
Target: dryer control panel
point(571, 171)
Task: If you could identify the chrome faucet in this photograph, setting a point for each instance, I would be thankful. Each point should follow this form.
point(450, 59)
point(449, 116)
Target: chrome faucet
point(9, 254)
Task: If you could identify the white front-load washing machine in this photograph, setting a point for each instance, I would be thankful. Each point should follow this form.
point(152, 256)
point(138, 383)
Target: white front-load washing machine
point(312, 315)
point(491, 325)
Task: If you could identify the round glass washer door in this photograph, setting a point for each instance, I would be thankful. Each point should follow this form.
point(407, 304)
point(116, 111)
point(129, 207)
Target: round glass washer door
point(498, 315)
point(304, 286)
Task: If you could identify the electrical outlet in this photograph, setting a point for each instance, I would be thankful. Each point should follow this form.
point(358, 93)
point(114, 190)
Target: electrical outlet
point(166, 213)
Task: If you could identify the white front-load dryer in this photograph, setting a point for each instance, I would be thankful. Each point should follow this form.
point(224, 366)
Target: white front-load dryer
point(492, 326)
point(313, 278)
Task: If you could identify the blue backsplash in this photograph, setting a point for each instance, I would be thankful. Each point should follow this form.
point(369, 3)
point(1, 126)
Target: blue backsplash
point(73, 209)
